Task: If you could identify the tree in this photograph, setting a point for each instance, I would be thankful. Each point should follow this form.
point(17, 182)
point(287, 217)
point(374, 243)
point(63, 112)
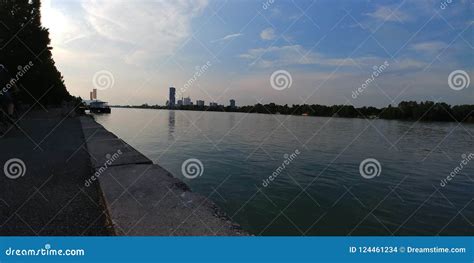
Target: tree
point(25, 48)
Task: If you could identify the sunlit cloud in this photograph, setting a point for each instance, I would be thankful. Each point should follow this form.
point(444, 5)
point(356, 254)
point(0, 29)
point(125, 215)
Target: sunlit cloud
point(227, 37)
point(429, 47)
point(147, 29)
point(390, 13)
point(268, 34)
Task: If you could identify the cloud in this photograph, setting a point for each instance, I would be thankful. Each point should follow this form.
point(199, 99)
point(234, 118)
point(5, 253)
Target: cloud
point(429, 47)
point(390, 14)
point(297, 55)
point(145, 29)
point(280, 56)
point(384, 14)
point(408, 64)
point(268, 34)
point(62, 28)
point(231, 36)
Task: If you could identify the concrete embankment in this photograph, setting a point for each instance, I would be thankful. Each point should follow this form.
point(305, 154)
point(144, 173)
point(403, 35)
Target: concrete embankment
point(142, 198)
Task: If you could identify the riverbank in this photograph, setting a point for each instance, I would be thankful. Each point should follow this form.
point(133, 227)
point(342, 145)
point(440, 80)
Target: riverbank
point(406, 110)
point(70, 177)
point(143, 198)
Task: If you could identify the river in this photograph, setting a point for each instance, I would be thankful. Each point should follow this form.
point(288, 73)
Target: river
point(296, 175)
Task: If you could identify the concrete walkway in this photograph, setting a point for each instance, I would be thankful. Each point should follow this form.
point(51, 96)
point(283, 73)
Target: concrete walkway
point(50, 198)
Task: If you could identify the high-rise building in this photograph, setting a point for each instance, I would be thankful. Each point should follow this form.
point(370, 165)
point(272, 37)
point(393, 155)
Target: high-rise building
point(213, 104)
point(172, 99)
point(200, 103)
point(91, 95)
point(180, 103)
point(232, 103)
point(187, 101)
point(94, 94)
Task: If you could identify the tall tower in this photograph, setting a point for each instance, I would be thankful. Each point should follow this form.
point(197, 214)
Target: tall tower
point(172, 99)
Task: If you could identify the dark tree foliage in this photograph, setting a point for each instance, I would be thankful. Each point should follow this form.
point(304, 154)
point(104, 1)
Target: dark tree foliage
point(429, 111)
point(24, 47)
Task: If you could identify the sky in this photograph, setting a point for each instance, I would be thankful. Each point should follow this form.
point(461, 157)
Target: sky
point(361, 53)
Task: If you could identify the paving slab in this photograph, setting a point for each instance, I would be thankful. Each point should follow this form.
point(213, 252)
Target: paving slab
point(105, 149)
point(114, 152)
point(99, 133)
point(147, 200)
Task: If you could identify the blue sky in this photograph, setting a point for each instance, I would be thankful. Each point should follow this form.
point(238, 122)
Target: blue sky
point(330, 49)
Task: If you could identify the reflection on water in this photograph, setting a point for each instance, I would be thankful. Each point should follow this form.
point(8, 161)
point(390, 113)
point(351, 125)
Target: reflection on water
point(321, 192)
point(171, 123)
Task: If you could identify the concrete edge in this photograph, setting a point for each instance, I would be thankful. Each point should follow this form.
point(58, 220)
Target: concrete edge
point(102, 201)
point(86, 122)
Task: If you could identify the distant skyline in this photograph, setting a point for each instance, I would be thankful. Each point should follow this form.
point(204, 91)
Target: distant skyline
point(217, 50)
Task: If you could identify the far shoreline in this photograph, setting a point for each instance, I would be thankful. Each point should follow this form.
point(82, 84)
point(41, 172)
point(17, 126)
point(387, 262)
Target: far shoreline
point(465, 119)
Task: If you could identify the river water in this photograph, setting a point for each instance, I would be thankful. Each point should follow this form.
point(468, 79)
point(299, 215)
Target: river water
point(296, 175)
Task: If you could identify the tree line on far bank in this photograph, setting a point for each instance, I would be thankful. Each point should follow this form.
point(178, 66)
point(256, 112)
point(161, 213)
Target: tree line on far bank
point(406, 110)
